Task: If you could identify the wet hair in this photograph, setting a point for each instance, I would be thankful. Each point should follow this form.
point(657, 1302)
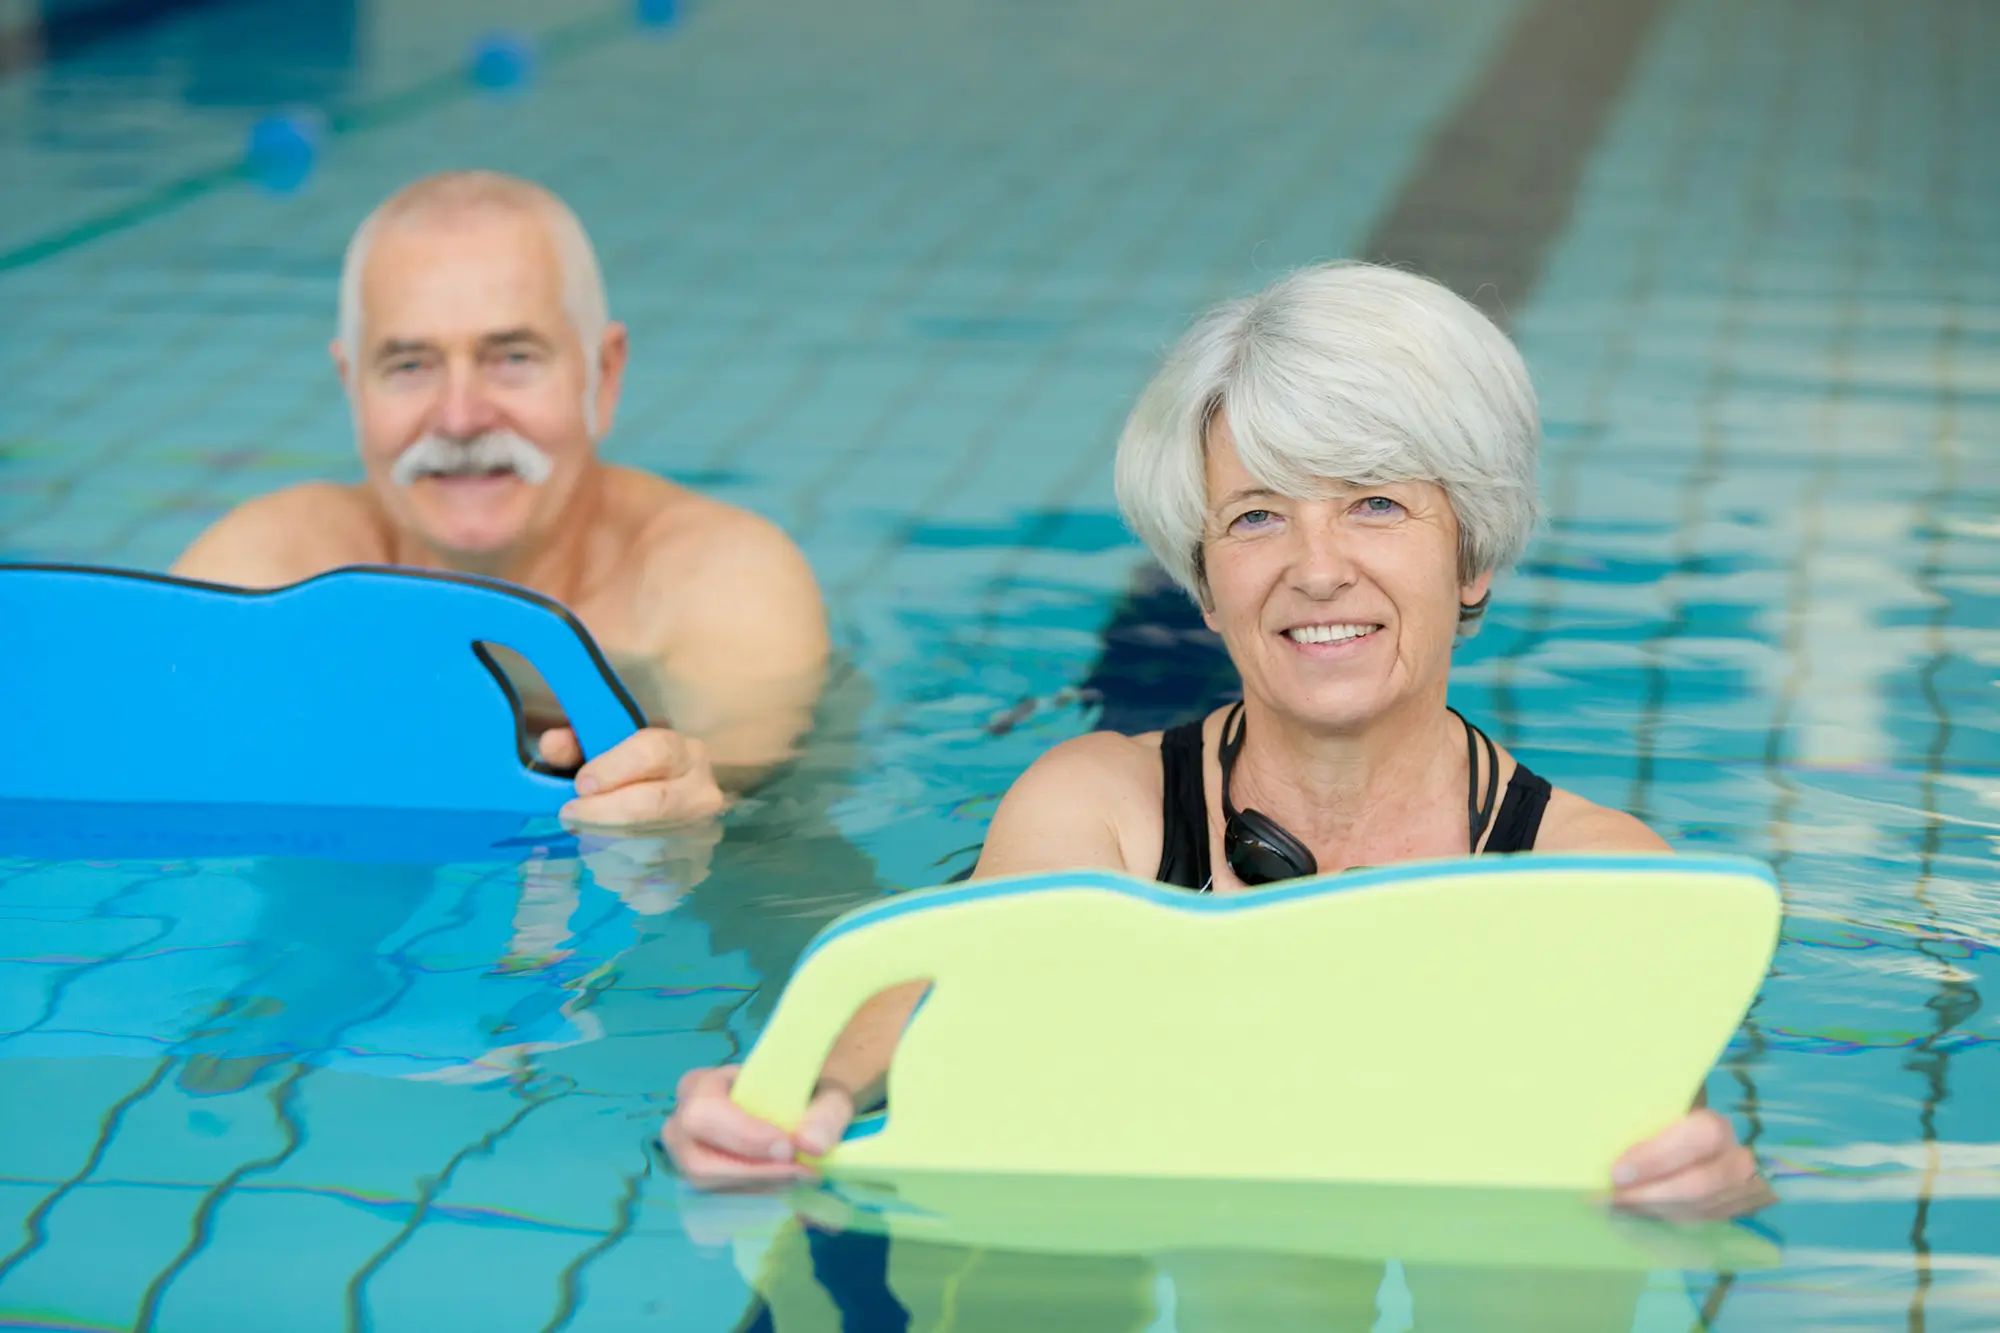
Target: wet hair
point(1344, 372)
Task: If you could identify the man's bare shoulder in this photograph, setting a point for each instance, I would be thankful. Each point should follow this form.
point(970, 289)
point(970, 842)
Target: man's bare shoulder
point(694, 548)
point(286, 536)
point(676, 522)
point(1574, 824)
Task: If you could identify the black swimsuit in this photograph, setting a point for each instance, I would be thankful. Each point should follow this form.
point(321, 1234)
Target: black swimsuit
point(1184, 802)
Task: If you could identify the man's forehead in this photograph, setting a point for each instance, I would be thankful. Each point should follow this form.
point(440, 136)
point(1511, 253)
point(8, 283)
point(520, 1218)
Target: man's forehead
point(461, 277)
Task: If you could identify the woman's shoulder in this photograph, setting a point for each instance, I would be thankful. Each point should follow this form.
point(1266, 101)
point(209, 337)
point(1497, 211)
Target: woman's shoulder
point(1084, 765)
point(1093, 800)
point(1574, 824)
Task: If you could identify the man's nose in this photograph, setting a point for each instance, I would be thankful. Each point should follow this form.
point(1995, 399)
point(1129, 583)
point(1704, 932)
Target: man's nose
point(465, 410)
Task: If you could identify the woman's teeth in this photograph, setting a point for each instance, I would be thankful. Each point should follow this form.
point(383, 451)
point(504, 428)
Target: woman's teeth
point(1328, 633)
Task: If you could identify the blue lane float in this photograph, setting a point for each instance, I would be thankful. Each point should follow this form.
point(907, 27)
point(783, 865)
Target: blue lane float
point(659, 13)
point(282, 149)
point(501, 61)
point(361, 714)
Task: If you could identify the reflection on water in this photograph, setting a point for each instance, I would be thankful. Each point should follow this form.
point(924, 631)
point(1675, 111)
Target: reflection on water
point(1141, 1255)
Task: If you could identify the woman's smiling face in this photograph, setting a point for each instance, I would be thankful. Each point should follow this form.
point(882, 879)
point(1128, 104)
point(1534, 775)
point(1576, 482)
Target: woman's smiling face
point(1334, 609)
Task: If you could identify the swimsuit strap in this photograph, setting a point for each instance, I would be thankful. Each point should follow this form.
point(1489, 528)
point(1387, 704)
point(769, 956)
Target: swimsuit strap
point(1184, 860)
point(1520, 819)
point(1183, 809)
point(1478, 809)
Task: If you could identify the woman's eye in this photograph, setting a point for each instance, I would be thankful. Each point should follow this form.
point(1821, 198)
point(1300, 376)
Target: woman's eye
point(1252, 518)
point(1380, 506)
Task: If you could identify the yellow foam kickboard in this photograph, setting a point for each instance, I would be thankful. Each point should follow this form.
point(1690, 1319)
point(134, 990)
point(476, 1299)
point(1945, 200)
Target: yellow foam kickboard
point(1507, 1022)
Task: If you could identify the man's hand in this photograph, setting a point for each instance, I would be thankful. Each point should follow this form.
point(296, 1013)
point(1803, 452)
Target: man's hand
point(653, 777)
point(1694, 1168)
point(717, 1144)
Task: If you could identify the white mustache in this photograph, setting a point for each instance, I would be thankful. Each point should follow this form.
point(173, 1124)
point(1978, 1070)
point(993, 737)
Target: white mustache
point(495, 451)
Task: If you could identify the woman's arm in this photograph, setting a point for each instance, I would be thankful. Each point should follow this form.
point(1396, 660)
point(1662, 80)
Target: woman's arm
point(1074, 809)
point(1573, 824)
point(1062, 814)
point(1695, 1166)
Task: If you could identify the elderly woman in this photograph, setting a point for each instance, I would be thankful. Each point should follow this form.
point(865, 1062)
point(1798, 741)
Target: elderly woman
point(1334, 469)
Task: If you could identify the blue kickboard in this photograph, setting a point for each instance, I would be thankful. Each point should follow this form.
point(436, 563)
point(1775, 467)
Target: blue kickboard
point(364, 688)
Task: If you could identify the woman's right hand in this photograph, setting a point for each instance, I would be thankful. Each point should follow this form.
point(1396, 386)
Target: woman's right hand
point(716, 1144)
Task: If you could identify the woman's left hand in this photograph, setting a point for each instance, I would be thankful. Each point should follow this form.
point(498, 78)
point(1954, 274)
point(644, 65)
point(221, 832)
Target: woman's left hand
point(1694, 1168)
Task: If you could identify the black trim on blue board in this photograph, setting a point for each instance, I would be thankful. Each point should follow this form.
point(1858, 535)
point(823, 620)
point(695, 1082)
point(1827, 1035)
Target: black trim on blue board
point(549, 604)
point(530, 756)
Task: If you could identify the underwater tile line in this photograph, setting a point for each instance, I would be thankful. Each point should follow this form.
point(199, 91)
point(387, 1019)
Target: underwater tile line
point(359, 1319)
point(1755, 227)
point(1711, 461)
point(1593, 420)
point(202, 1227)
point(1031, 381)
point(1827, 436)
point(1029, 178)
point(1956, 1000)
point(58, 984)
point(383, 1206)
point(569, 1283)
point(35, 1225)
point(1058, 503)
point(1034, 379)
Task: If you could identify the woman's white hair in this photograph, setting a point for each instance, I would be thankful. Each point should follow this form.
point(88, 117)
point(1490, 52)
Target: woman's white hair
point(1341, 372)
point(454, 195)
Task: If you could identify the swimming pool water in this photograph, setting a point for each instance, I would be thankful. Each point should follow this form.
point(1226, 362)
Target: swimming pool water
point(894, 273)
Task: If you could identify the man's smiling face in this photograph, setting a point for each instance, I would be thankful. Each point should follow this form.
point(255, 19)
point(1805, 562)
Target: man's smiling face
point(469, 380)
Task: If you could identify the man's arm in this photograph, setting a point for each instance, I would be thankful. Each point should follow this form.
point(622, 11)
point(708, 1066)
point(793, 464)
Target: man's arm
point(744, 643)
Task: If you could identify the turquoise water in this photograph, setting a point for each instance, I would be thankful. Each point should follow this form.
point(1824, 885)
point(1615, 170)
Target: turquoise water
point(894, 273)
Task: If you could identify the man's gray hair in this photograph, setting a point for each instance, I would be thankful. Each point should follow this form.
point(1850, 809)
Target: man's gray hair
point(453, 195)
point(1342, 372)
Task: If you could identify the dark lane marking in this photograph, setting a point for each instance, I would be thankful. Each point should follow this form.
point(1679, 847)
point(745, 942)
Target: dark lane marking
point(1492, 189)
point(1563, 469)
point(1498, 179)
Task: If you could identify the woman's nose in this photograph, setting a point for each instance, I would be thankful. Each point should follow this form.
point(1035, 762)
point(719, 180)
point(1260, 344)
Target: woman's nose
point(1322, 565)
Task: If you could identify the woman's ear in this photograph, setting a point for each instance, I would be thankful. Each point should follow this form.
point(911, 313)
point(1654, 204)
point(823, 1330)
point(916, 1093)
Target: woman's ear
point(1202, 598)
point(1474, 594)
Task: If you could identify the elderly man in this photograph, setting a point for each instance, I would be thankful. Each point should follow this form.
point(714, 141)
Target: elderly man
point(482, 370)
